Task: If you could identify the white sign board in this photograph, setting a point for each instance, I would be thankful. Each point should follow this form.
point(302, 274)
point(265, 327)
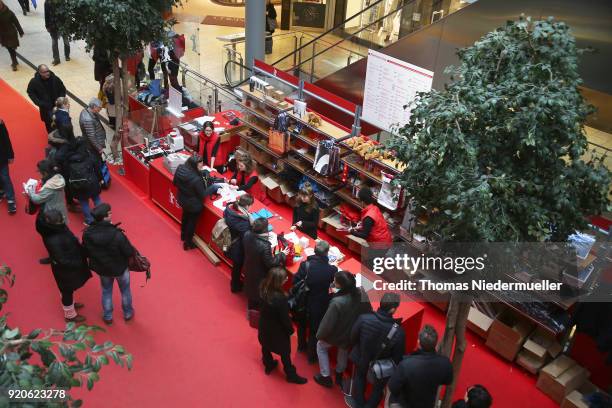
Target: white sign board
point(390, 84)
point(175, 102)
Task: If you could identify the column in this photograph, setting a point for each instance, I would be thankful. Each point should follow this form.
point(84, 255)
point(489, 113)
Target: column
point(255, 21)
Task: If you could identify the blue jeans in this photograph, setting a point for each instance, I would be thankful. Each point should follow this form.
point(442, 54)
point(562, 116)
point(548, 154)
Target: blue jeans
point(5, 182)
point(85, 207)
point(126, 295)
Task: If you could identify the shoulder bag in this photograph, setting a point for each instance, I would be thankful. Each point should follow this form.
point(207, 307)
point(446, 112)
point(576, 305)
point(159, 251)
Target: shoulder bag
point(298, 295)
point(382, 369)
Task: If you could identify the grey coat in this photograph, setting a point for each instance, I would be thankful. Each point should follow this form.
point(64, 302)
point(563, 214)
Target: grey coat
point(92, 129)
point(343, 311)
point(51, 196)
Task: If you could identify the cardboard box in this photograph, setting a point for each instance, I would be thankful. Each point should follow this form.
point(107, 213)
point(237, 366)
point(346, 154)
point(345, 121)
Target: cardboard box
point(575, 398)
point(272, 185)
point(507, 334)
point(560, 377)
point(529, 362)
point(331, 224)
point(479, 322)
point(539, 349)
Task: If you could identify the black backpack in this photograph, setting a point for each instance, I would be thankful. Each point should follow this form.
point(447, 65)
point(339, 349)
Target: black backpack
point(79, 172)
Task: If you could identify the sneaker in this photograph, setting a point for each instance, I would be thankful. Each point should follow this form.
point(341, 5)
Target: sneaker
point(76, 319)
point(271, 367)
point(44, 261)
point(12, 208)
point(128, 318)
point(296, 379)
point(325, 381)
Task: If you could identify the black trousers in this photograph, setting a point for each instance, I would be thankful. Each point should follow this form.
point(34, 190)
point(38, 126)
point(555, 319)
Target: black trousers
point(307, 334)
point(46, 117)
point(237, 264)
point(268, 360)
point(67, 297)
point(189, 222)
point(25, 5)
point(13, 53)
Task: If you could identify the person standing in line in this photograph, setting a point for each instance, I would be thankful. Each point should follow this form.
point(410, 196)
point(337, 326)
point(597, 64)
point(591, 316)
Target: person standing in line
point(43, 90)
point(9, 28)
point(84, 178)
point(92, 129)
point(52, 28)
point(335, 329)
point(50, 197)
point(7, 156)
point(192, 191)
point(319, 275)
point(275, 328)
point(258, 259)
point(367, 336)
point(476, 396)
point(306, 212)
point(109, 251)
point(238, 220)
point(68, 263)
point(416, 379)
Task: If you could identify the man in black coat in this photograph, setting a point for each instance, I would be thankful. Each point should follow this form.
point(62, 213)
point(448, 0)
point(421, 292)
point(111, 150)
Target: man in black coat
point(109, 250)
point(43, 90)
point(367, 336)
point(6, 157)
point(319, 275)
point(51, 26)
point(258, 259)
point(238, 220)
point(417, 378)
point(83, 176)
point(68, 262)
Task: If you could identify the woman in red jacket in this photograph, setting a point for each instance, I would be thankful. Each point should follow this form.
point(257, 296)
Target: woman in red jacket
point(246, 178)
point(373, 226)
point(209, 148)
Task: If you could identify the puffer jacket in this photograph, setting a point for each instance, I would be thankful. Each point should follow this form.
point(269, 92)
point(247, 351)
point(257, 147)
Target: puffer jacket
point(108, 248)
point(343, 311)
point(258, 260)
point(51, 196)
point(191, 188)
point(368, 334)
point(92, 129)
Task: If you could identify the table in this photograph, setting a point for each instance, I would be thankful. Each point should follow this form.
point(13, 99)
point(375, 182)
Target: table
point(229, 136)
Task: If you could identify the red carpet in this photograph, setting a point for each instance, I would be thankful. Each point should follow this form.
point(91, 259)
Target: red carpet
point(191, 343)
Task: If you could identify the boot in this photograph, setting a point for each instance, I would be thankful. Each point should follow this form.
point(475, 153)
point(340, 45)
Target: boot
point(296, 379)
point(271, 367)
point(324, 381)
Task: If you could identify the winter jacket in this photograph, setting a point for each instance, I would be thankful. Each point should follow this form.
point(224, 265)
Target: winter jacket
point(275, 328)
point(80, 157)
point(310, 220)
point(68, 260)
point(6, 148)
point(368, 334)
point(51, 196)
point(92, 129)
point(44, 97)
point(320, 276)
point(102, 65)
point(51, 16)
point(343, 311)
point(416, 380)
point(191, 188)
point(108, 248)
point(238, 224)
point(9, 27)
point(258, 260)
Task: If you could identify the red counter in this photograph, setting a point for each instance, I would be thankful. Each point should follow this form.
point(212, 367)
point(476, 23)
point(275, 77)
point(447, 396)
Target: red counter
point(136, 171)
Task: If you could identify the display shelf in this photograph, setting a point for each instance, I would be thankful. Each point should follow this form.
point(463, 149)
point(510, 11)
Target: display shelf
point(269, 166)
point(361, 170)
point(261, 115)
point(326, 128)
point(259, 96)
point(309, 172)
point(346, 195)
point(303, 138)
point(260, 145)
point(255, 127)
point(305, 156)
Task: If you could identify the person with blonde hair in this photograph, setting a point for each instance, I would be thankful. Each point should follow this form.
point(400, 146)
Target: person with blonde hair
point(275, 328)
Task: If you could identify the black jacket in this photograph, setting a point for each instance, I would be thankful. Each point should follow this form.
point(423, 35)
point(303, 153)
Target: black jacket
point(368, 334)
point(6, 148)
point(258, 260)
point(68, 261)
point(191, 188)
point(108, 249)
point(343, 311)
point(44, 97)
point(275, 328)
point(238, 224)
point(320, 276)
point(79, 156)
point(10, 29)
point(417, 378)
point(310, 220)
point(50, 16)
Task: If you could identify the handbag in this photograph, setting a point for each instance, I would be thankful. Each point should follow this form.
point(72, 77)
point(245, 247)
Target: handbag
point(277, 140)
point(298, 295)
point(382, 369)
point(140, 263)
point(106, 177)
